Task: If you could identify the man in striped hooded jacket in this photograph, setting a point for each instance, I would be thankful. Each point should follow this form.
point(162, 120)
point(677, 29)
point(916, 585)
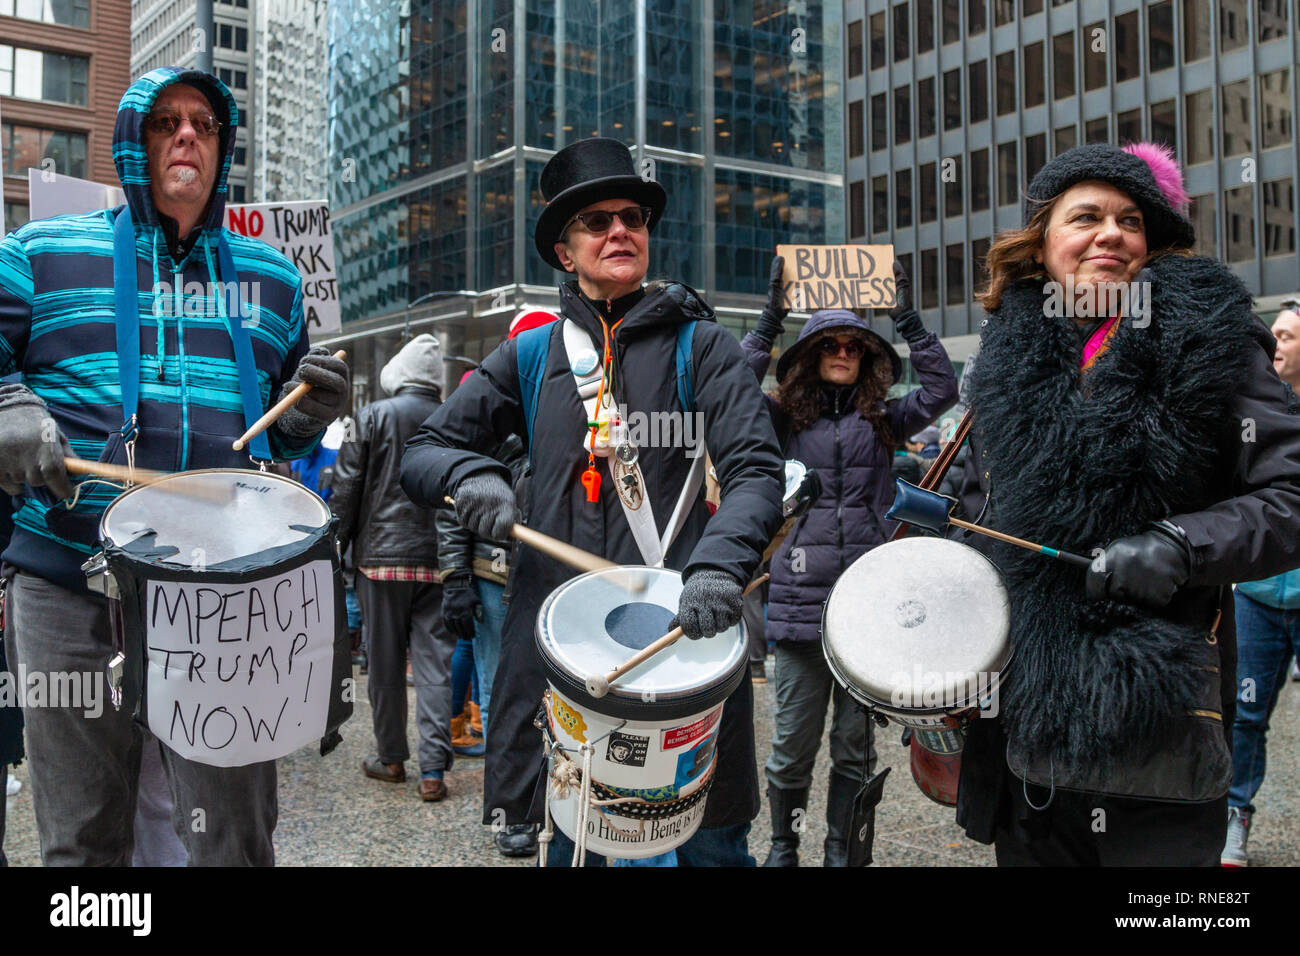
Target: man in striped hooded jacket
point(60, 328)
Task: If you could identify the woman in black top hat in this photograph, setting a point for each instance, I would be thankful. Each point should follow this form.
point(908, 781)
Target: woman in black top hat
point(597, 224)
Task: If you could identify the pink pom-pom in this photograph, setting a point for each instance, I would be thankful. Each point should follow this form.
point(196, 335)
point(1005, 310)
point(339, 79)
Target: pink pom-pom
point(1165, 168)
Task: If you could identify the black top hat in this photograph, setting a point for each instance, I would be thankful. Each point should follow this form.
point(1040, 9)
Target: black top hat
point(583, 173)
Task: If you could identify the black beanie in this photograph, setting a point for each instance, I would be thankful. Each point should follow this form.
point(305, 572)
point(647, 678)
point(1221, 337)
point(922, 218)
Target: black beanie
point(1134, 170)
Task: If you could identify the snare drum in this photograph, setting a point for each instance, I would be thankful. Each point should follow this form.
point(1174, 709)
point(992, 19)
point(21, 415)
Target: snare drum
point(652, 737)
point(227, 602)
point(918, 630)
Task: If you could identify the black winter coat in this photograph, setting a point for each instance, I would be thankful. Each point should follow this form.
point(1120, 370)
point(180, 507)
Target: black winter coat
point(855, 468)
point(459, 549)
point(383, 525)
point(1185, 419)
point(457, 439)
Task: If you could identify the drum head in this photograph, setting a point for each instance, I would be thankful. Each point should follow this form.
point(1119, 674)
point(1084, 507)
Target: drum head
point(215, 516)
point(919, 624)
point(593, 623)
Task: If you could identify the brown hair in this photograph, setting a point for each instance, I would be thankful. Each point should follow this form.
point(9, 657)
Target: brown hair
point(801, 398)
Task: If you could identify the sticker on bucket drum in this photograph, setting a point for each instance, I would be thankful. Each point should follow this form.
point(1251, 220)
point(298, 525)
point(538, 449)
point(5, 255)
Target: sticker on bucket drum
point(695, 761)
point(627, 749)
point(569, 720)
point(675, 737)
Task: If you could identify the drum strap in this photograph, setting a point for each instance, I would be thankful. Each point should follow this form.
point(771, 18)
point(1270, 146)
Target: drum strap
point(126, 295)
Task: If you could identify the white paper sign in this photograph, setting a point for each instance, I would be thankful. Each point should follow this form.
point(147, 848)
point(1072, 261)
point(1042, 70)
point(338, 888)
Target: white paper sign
point(300, 230)
point(241, 673)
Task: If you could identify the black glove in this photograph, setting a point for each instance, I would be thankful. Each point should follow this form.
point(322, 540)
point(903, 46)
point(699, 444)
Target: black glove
point(485, 505)
point(906, 319)
point(327, 400)
point(710, 603)
point(774, 313)
point(32, 448)
point(1143, 569)
point(460, 605)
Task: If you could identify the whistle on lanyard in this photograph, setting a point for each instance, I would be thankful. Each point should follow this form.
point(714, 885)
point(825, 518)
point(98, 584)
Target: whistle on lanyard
point(591, 482)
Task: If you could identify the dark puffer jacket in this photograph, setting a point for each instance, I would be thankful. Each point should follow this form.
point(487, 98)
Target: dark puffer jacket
point(857, 487)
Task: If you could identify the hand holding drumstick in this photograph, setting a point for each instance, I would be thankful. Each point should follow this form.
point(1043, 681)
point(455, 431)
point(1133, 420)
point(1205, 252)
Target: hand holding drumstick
point(315, 396)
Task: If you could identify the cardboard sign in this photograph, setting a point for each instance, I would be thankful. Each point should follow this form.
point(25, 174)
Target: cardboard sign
point(838, 277)
point(300, 230)
point(240, 673)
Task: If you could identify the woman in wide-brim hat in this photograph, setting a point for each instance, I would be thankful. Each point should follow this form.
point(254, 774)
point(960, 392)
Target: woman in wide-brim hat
point(832, 411)
point(1114, 374)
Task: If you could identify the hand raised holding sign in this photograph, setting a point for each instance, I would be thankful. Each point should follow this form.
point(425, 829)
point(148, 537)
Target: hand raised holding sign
point(904, 315)
point(770, 326)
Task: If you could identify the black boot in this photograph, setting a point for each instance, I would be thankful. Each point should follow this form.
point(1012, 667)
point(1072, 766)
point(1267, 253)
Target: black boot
point(839, 818)
point(789, 812)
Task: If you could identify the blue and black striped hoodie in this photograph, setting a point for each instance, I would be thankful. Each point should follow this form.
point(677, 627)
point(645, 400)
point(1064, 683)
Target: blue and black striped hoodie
point(57, 330)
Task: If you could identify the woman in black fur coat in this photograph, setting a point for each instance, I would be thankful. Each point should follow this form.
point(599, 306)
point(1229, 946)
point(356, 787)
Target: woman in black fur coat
point(1126, 406)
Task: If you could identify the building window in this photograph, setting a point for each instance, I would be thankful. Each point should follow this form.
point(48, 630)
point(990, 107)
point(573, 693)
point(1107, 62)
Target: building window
point(30, 146)
point(1239, 218)
point(1128, 126)
point(68, 13)
point(241, 80)
point(1127, 56)
point(979, 257)
point(1062, 66)
point(952, 99)
point(1006, 83)
point(951, 174)
point(38, 75)
point(16, 214)
point(879, 204)
point(950, 11)
point(856, 121)
point(955, 274)
point(1097, 130)
point(925, 123)
point(225, 35)
point(905, 260)
point(1004, 11)
point(929, 278)
point(1035, 154)
point(241, 38)
point(1279, 217)
point(1200, 127)
point(1065, 138)
point(855, 48)
point(924, 26)
point(903, 199)
point(1236, 118)
point(1032, 65)
point(857, 210)
point(979, 180)
point(237, 193)
point(1008, 175)
point(1275, 109)
point(1164, 123)
point(976, 17)
point(1095, 45)
point(240, 157)
point(1234, 32)
point(1272, 19)
point(1160, 36)
point(901, 33)
point(902, 114)
point(1196, 30)
point(1202, 216)
point(877, 40)
point(929, 193)
point(879, 122)
point(977, 91)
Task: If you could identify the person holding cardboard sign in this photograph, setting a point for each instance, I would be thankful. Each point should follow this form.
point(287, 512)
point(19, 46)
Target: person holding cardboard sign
point(831, 412)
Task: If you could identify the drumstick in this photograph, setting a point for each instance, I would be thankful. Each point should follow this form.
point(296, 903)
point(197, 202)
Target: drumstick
point(146, 476)
point(1068, 557)
point(598, 686)
point(278, 409)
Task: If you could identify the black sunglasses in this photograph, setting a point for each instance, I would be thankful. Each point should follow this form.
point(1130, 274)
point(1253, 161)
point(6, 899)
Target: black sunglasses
point(205, 124)
point(854, 349)
point(598, 221)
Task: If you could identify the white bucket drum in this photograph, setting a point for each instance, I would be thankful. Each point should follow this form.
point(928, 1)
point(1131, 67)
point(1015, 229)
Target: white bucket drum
point(652, 737)
point(917, 629)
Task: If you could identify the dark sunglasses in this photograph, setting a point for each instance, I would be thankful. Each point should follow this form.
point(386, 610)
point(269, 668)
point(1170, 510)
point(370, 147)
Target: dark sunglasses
point(204, 124)
point(853, 349)
point(634, 217)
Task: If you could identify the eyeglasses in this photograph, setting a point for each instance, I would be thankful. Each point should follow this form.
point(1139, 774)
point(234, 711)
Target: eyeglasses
point(852, 349)
point(599, 221)
point(204, 124)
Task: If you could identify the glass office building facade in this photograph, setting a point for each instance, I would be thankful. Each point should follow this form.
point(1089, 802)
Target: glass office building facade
point(442, 115)
point(952, 106)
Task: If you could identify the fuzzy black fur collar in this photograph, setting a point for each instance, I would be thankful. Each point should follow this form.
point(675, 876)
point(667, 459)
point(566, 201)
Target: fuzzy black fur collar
point(1079, 459)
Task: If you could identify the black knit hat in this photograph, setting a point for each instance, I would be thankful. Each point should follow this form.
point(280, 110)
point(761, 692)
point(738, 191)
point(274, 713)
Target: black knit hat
point(583, 173)
point(1147, 172)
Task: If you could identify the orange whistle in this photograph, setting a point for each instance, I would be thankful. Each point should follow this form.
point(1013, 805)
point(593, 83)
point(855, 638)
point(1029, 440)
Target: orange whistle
point(591, 481)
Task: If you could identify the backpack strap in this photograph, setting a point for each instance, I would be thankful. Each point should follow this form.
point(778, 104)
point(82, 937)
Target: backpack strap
point(531, 350)
point(685, 387)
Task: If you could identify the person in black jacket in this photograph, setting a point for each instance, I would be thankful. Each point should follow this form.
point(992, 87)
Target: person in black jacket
point(395, 549)
point(595, 225)
point(1150, 430)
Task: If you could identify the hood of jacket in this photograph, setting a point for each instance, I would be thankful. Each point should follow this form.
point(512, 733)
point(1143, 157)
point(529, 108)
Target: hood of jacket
point(417, 365)
point(828, 320)
point(131, 159)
